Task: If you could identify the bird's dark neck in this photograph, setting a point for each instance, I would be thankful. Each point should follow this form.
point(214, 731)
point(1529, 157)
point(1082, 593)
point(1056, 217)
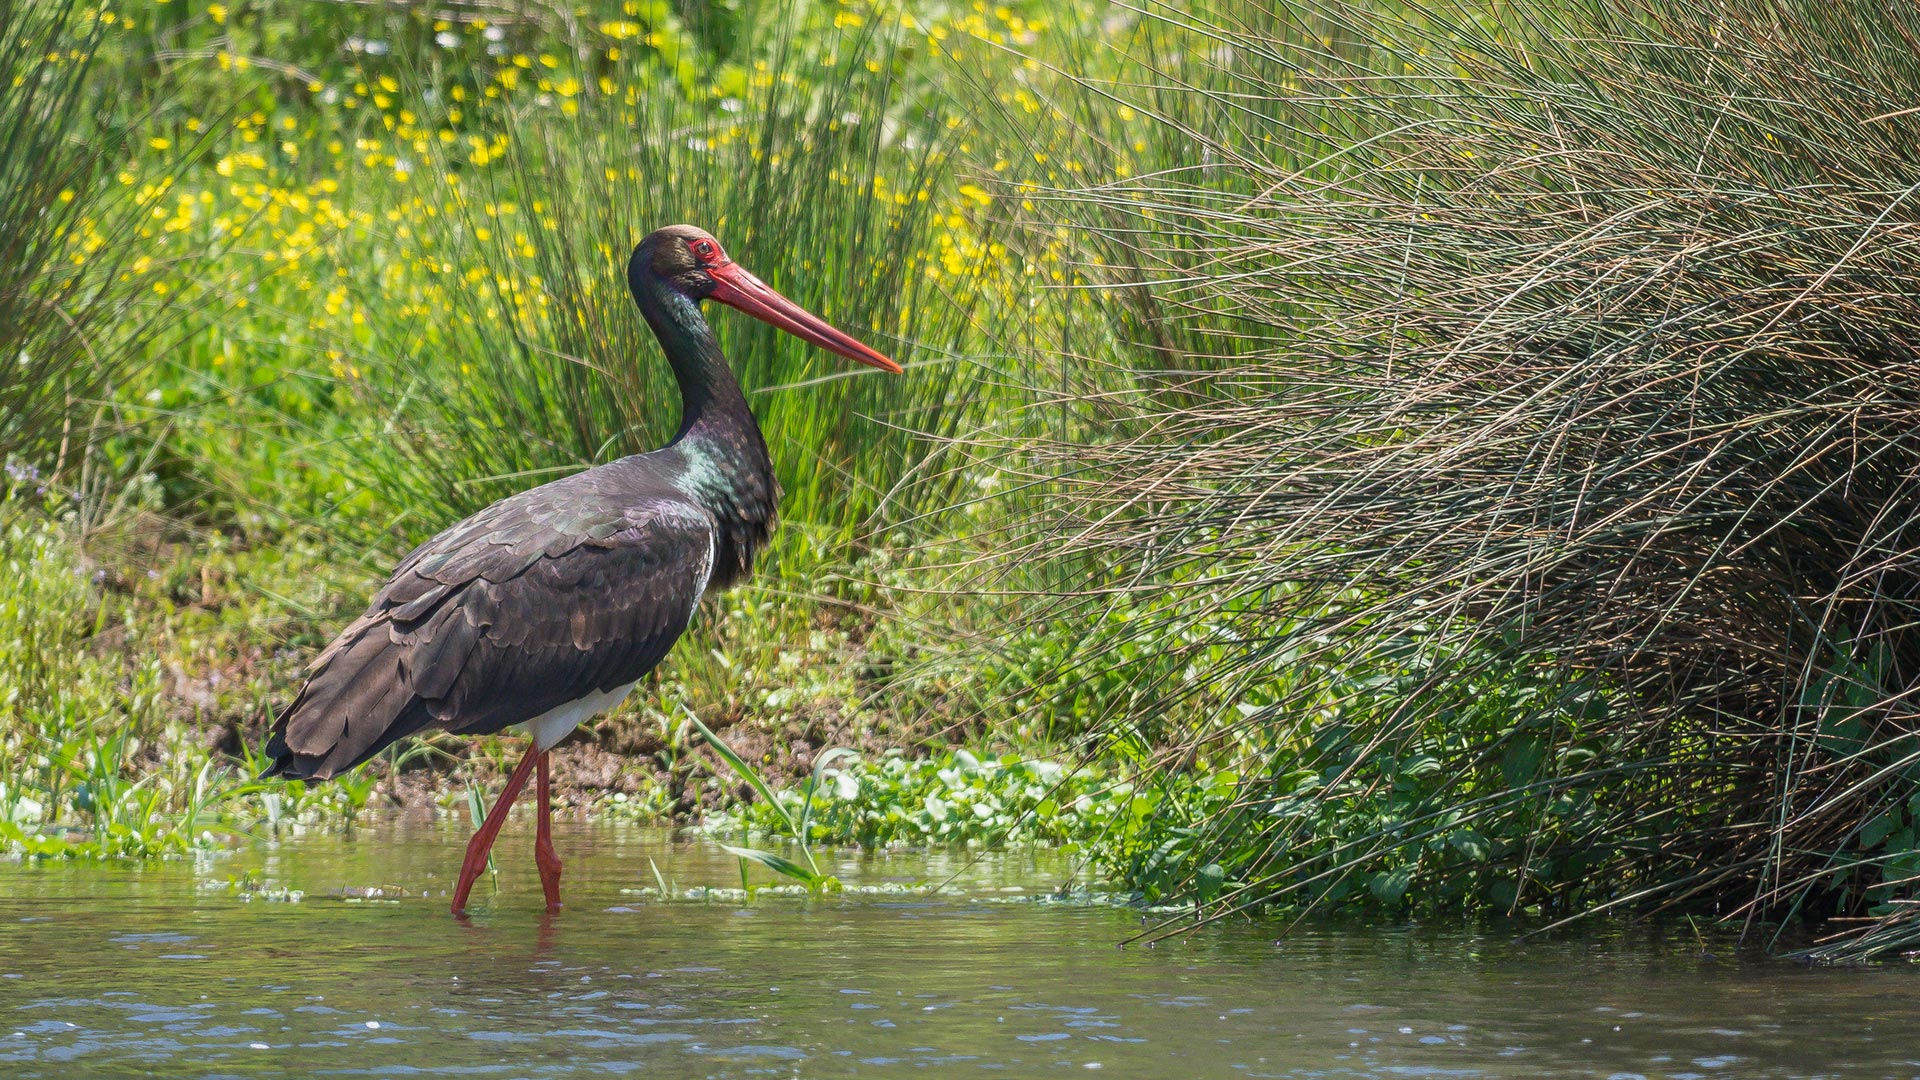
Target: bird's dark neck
point(719, 454)
point(710, 398)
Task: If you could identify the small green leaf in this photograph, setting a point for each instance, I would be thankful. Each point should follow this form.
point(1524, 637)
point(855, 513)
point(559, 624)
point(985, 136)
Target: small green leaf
point(1876, 830)
point(1207, 883)
point(1520, 765)
point(813, 782)
point(1389, 886)
point(1470, 845)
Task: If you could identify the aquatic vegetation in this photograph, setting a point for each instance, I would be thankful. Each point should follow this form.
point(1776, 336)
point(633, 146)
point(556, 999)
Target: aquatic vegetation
point(797, 829)
point(951, 797)
point(86, 765)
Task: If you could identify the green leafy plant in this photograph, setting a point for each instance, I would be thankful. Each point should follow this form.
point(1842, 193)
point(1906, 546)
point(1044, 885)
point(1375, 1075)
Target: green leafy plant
point(952, 796)
point(807, 872)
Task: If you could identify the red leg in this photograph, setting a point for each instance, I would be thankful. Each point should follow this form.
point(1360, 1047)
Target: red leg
point(482, 841)
point(543, 853)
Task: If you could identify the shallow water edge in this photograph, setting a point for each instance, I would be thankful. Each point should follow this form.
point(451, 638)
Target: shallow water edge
point(168, 970)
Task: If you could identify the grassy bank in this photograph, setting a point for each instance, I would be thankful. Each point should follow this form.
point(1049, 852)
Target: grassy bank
point(389, 266)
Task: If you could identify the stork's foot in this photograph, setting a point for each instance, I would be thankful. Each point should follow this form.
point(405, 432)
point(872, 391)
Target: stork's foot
point(543, 854)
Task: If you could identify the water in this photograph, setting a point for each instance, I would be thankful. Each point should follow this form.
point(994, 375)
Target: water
point(163, 970)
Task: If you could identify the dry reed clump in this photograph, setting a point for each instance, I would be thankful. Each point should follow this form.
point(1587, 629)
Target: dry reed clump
point(1579, 343)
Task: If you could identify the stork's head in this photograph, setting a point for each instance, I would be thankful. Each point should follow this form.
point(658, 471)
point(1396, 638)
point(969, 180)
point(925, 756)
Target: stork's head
point(691, 262)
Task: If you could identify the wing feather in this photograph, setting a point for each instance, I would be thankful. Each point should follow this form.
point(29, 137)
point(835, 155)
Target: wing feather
point(544, 598)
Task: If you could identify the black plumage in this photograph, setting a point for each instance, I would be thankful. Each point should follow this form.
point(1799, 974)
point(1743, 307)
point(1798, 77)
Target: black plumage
point(568, 590)
point(546, 606)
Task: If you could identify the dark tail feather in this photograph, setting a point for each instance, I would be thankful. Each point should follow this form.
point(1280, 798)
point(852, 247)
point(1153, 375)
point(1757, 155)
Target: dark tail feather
point(286, 764)
point(356, 704)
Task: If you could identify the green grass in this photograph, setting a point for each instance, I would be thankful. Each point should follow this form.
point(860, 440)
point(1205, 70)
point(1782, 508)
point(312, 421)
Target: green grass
point(75, 301)
point(96, 759)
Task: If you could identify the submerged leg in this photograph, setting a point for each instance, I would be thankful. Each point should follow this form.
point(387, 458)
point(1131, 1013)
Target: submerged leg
point(543, 853)
point(482, 842)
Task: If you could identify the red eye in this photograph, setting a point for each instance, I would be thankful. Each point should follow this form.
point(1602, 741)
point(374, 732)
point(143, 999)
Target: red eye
point(703, 249)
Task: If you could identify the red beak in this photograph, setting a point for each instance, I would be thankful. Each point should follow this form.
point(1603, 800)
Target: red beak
point(736, 288)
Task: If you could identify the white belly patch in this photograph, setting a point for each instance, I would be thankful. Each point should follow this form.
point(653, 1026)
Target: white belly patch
point(551, 726)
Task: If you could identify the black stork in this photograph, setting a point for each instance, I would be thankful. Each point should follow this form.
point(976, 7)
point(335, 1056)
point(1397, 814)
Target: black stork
point(545, 608)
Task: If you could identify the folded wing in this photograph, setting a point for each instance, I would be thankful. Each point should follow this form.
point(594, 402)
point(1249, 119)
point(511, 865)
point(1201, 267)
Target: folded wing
point(539, 600)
